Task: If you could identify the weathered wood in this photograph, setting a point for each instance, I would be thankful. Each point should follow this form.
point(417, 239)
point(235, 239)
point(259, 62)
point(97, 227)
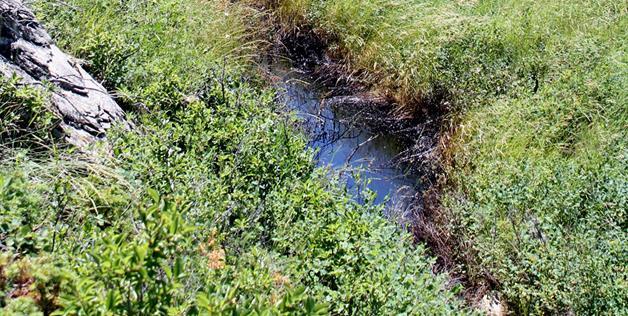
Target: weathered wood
point(27, 51)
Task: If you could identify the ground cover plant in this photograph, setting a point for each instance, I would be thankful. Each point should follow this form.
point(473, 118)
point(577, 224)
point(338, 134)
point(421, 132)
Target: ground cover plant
point(535, 160)
point(210, 205)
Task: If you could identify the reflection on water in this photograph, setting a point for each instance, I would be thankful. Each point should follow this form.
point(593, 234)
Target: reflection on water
point(346, 147)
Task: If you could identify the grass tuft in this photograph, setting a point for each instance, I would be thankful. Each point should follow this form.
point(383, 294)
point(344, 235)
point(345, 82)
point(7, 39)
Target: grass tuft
point(536, 164)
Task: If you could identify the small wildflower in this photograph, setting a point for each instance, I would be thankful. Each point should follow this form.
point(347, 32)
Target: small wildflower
point(216, 259)
point(280, 280)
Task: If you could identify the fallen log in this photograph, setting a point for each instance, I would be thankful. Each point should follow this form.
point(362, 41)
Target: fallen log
point(85, 107)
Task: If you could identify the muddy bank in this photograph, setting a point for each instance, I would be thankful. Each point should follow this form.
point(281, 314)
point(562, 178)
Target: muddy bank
point(348, 90)
point(420, 140)
point(339, 134)
point(353, 128)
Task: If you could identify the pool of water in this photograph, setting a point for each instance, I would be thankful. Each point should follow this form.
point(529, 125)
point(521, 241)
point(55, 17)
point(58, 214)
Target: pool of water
point(364, 158)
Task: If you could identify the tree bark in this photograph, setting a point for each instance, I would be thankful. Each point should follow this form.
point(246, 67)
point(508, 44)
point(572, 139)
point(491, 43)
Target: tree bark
point(87, 110)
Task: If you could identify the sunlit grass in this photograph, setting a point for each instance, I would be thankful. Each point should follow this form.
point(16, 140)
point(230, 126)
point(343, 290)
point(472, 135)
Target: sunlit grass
point(180, 42)
point(536, 160)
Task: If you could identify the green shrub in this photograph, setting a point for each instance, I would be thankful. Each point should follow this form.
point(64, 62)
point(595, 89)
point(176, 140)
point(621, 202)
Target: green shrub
point(145, 262)
point(249, 179)
point(17, 219)
point(30, 285)
point(25, 119)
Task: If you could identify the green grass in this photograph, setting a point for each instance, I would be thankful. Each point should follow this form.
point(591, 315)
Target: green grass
point(536, 164)
point(210, 205)
point(26, 119)
point(149, 52)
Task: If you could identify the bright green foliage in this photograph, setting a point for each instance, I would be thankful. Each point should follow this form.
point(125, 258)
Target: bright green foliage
point(154, 53)
point(24, 116)
point(133, 272)
point(17, 220)
point(248, 178)
point(23, 307)
point(211, 204)
point(538, 92)
point(353, 257)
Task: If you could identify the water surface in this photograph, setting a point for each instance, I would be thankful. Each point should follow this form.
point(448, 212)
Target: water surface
point(357, 153)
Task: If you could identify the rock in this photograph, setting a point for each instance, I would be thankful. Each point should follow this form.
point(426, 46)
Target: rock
point(27, 51)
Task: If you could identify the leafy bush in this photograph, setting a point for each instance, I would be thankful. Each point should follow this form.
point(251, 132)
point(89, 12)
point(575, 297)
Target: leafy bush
point(250, 180)
point(30, 286)
point(25, 119)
